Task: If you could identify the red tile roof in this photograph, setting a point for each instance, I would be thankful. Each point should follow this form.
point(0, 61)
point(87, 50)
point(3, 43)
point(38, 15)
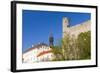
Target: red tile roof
point(44, 52)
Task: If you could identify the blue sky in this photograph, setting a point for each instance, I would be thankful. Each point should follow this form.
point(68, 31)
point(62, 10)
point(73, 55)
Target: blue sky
point(37, 25)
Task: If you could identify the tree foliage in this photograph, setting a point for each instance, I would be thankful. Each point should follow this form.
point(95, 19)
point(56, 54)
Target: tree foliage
point(84, 44)
point(72, 48)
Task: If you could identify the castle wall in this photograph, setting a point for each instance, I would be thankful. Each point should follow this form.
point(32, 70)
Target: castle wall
point(77, 29)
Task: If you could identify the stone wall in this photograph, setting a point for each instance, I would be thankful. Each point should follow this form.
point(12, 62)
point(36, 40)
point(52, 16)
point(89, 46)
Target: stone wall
point(77, 29)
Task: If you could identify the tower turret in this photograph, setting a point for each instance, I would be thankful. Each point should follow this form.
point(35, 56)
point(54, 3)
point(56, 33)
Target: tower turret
point(65, 24)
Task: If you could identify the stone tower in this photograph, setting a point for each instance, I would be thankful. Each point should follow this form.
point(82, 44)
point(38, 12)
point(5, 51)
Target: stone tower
point(65, 22)
point(51, 40)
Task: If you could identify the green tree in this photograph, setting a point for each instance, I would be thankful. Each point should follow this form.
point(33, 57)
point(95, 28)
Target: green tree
point(69, 47)
point(58, 53)
point(84, 44)
point(73, 48)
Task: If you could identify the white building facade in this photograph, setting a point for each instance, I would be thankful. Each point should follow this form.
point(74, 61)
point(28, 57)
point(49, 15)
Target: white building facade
point(38, 53)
